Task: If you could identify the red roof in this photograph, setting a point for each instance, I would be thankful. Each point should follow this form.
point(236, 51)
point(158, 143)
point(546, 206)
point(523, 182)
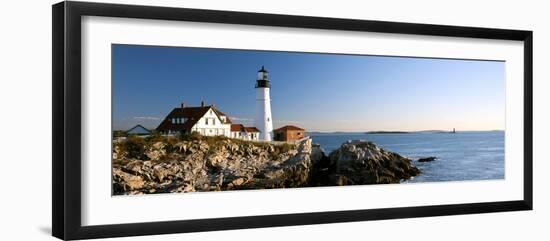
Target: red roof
point(242, 128)
point(251, 129)
point(237, 127)
point(289, 128)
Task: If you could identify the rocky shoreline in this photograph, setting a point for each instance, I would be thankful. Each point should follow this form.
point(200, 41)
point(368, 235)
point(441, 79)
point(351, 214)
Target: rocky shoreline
point(164, 165)
point(360, 162)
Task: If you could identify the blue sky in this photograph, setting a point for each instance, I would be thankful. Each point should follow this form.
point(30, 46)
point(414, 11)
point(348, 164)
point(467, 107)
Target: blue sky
point(319, 92)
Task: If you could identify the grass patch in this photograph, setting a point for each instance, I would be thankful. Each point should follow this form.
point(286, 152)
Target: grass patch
point(135, 147)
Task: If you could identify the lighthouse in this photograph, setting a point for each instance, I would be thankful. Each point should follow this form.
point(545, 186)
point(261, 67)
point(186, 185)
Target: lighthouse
point(263, 120)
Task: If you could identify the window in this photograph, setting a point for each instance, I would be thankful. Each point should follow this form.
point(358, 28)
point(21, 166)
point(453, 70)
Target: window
point(206, 121)
point(268, 119)
point(173, 120)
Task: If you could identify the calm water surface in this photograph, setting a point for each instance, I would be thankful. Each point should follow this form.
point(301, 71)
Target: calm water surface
point(461, 156)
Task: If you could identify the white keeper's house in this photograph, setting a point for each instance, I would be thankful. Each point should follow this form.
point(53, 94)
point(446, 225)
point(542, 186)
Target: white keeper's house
point(206, 120)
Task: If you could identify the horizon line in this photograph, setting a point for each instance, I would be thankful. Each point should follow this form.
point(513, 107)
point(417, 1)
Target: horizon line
point(363, 131)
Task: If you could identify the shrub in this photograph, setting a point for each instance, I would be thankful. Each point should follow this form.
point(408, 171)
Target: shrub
point(155, 137)
point(135, 147)
point(119, 133)
point(184, 136)
point(285, 147)
point(214, 140)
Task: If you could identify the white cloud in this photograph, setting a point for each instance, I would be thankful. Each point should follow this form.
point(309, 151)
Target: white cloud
point(240, 119)
point(146, 118)
point(244, 119)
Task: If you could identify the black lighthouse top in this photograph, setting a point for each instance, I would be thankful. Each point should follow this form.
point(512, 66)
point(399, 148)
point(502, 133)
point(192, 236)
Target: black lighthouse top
point(263, 81)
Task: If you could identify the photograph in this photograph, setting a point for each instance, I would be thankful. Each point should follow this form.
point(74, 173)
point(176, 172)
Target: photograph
point(191, 119)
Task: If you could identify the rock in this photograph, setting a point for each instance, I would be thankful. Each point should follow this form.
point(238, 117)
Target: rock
point(181, 147)
point(160, 173)
point(218, 159)
point(156, 151)
point(317, 153)
point(126, 181)
point(190, 166)
point(116, 152)
point(362, 162)
point(227, 164)
point(427, 159)
point(321, 168)
point(238, 181)
point(188, 188)
point(134, 182)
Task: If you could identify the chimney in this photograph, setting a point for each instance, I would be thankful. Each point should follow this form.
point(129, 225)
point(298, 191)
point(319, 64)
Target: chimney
point(202, 103)
point(183, 105)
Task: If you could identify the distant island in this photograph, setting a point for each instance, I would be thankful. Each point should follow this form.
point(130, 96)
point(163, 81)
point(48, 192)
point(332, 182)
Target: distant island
point(388, 132)
point(393, 132)
point(377, 132)
point(410, 132)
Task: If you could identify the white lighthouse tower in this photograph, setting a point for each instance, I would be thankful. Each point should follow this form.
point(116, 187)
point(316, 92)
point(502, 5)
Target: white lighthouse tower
point(263, 120)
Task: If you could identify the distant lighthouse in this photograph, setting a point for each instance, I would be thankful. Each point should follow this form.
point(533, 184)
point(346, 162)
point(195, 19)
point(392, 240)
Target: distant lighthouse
point(263, 120)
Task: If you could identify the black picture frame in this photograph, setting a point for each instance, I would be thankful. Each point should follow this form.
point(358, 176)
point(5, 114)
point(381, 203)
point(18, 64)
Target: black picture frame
point(66, 76)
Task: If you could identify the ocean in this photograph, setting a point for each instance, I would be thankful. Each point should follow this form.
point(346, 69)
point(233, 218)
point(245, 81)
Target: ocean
point(470, 155)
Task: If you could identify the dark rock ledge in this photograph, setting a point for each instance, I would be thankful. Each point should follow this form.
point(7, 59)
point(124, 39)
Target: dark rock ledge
point(427, 159)
point(359, 162)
